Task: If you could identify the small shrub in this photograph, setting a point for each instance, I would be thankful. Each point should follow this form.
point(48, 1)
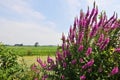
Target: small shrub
point(10, 69)
point(90, 51)
point(8, 63)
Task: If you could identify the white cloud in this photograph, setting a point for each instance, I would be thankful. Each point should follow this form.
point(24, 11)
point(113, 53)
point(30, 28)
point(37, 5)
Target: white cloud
point(12, 32)
point(21, 7)
point(35, 28)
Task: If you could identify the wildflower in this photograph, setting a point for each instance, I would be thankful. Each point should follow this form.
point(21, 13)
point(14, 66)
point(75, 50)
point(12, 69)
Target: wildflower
point(73, 61)
point(87, 14)
point(114, 70)
point(94, 30)
point(63, 46)
point(117, 50)
point(101, 20)
point(100, 40)
point(81, 60)
point(88, 64)
point(33, 67)
point(64, 65)
point(92, 13)
point(95, 16)
point(43, 65)
point(63, 38)
point(64, 53)
point(39, 61)
point(105, 43)
point(59, 56)
point(49, 60)
point(75, 23)
point(44, 77)
point(89, 51)
point(89, 70)
point(80, 48)
point(80, 37)
point(83, 77)
point(62, 77)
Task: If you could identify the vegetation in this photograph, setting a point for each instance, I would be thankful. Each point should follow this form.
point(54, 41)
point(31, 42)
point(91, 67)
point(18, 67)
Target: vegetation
point(32, 50)
point(11, 68)
point(90, 51)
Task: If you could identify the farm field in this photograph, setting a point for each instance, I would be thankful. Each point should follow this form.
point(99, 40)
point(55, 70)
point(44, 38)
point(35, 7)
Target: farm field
point(29, 60)
point(31, 50)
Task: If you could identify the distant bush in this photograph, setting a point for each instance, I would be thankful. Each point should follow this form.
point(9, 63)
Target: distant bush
point(90, 51)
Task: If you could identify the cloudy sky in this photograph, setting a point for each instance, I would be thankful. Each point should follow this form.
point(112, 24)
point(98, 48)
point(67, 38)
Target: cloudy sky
point(43, 21)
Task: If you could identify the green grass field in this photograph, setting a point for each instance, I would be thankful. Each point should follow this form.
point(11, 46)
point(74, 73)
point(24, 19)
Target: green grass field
point(31, 50)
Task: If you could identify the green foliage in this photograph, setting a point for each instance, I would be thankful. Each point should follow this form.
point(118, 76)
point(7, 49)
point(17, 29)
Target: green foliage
point(10, 69)
point(8, 63)
point(31, 50)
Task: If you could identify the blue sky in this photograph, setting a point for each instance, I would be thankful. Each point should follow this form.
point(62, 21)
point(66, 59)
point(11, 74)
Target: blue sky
point(43, 21)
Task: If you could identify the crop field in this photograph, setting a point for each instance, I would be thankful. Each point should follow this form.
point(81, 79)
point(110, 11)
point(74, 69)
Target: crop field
point(31, 50)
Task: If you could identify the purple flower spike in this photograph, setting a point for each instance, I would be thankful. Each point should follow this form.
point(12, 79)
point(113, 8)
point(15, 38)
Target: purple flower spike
point(92, 13)
point(87, 14)
point(80, 37)
point(80, 48)
point(59, 56)
point(100, 40)
point(94, 30)
point(64, 65)
point(75, 23)
point(81, 60)
point(43, 65)
point(81, 14)
point(63, 46)
point(49, 60)
point(83, 77)
point(105, 43)
point(44, 77)
point(112, 17)
point(95, 16)
point(73, 61)
point(62, 77)
point(101, 20)
point(88, 64)
point(115, 70)
point(34, 67)
point(63, 37)
point(117, 50)
point(71, 30)
point(39, 61)
point(89, 51)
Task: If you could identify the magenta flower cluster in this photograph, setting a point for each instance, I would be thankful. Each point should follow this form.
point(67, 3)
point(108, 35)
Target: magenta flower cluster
point(87, 52)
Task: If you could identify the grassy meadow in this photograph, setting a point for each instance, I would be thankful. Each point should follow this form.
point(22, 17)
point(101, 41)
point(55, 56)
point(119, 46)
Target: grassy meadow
point(29, 54)
point(32, 50)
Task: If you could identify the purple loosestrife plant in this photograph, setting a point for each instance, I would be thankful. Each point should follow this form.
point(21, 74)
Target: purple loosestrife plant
point(89, 52)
